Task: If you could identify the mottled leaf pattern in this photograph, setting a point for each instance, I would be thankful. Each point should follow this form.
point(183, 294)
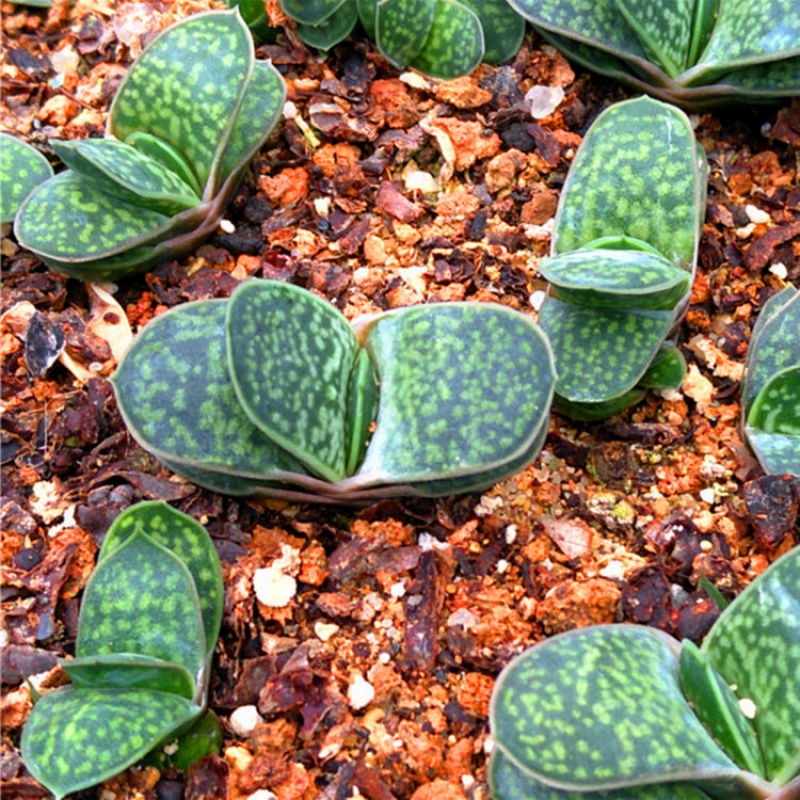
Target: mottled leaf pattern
point(503, 29)
point(755, 646)
point(22, 169)
point(666, 371)
point(454, 45)
point(75, 738)
point(401, 28)
point(599, 708)
point(332, 30)
point(310, 12)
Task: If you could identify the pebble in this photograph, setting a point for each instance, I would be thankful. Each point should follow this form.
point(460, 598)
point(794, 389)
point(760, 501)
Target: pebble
point(360, 693)
point(544, 100)
point(273, 587)
point(244, 720)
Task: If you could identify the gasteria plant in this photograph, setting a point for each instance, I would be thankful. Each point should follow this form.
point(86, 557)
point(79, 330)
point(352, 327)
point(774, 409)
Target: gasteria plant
point(441, 38)
point(771, 385)
point(22, 169)
point(188, 117)
point(623, 257)
point(272, 392)
point(694, 54)
point(625, 712)
point(147, 630)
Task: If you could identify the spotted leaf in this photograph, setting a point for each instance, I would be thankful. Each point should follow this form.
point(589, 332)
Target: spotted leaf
point(22, 169)
point(401, 28)
point(503, 28)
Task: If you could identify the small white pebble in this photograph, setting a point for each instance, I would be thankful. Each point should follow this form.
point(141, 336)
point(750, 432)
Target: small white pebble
point(756, 214)
point(467, 781)
point(322, 205)
point(708, 495)
point(502, 566)
point(384, 657)
point(779, 270)
point(289, 110)
point(745, 231)
point(397, 590)
point(748, 707)
point(462, 617)
point(614, 570)
point(325, 630)
point(419, 181)
point(511, 534)
point(273, 587)
point(226, 226)
point(360, 693)
point(536, 299)
point(262, 794)
point(244, 720)
point(544, 100)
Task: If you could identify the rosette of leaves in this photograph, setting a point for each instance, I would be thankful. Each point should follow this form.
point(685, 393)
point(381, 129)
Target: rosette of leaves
point(625, 712)
point(273, 392)
point(22, 169)
point(693, 54)
point(622, 258)
point(192, 111)
point(441, 38)
point(147, 630)
point(771, 385)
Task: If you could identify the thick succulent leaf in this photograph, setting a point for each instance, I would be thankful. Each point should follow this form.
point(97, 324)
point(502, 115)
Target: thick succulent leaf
point(595, 412)
point(401, 28)
point(718, 709)
point(187, 87)
point(778, 453)
point(774, 344)
point(166, 155)
point(332, 30)
point(76, 738)
point(503, 29)
point(664, 30)
point(67, 219)
point(188, 540)
point(762, 82)
point(22, 169)
point(362, 407)
point(666, 371)
point(130, 671)
point(601, 708)
point(601, 354)
point(455, 42)
point(637, 173)
point(367, 11)
point(752, 33)
point(204, 737)
point(509, 782)
point(311, 12)
point(615, 278)
point(290, 355)
point(463, 389)
point(175, 394)
point(254, 13)
point(755, 646)
point(776, 408)
point(142, 599)
point(704, 18)
point(128, 174)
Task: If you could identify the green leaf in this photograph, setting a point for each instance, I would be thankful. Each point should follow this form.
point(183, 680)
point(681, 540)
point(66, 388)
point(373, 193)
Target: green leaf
point(637, 173)
point(509, 782)
point(142, 599)
point(601, 708)
point(175, 394)
point(362, 406)
point(595, 412)
point(776, 408)
point(204, 737)
point(127, 174)
point(75, 738)
point(187, 87)
point(455, 42)
point(188, 540)
point(166, 155)
point(755, 646)
point(717, 708)
point(762, 82)
point(503, 29)
point(777, 453)
point(464, 389)
point(290, 355)
point(311, 12)
point(664, 30)
point(616, 278)
point(402, 27)
point(254, 13)
point(332, 30)
point(367, 12)
point(601, 354)
point(22, 169)
point(130, 671)
point(666, 371)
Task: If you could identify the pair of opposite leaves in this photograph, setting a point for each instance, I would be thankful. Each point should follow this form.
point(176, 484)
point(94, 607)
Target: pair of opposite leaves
point(625, 712)
point(192, 111)
point(272, 391)
point(148, 626)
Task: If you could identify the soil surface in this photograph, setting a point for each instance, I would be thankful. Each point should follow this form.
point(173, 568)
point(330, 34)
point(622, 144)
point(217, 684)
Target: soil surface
point(382, 190)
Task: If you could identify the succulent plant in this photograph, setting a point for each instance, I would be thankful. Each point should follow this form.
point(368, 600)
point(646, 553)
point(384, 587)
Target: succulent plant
point(22, 169)
point(273, 392)
point(441, 38)
point(625, 712)
point(622, 257)
point(771, 385)
point(147, 630)
point(692, 54)
point(190, 114)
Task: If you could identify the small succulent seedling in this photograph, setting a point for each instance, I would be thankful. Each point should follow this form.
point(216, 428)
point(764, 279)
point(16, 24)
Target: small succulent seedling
point(147, 630)
point(273, 392)
point(625, 712)
point(771, 385)
point(188, 117)
point(441, 38)
point(22, 169)
point(623, 256)
point(693, 54)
